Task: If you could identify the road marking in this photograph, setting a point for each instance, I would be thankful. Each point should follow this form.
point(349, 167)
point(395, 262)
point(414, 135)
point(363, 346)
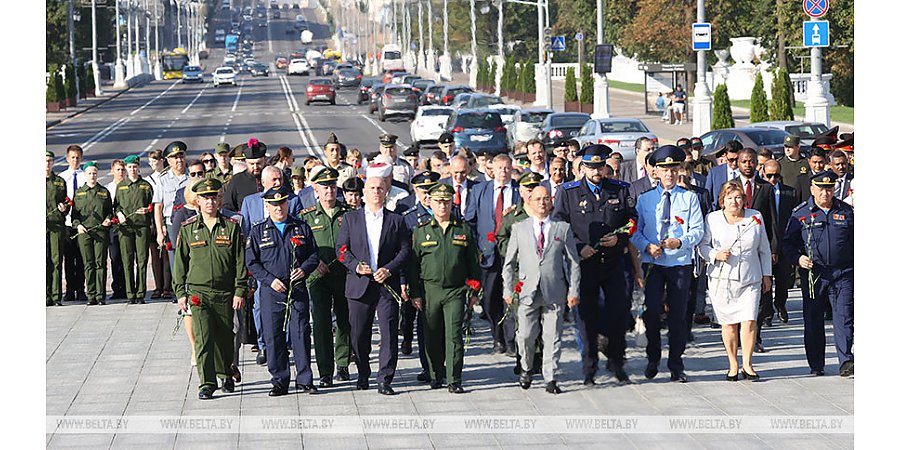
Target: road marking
point(302, 134)
point(186, 108)
point(286, 96)
point(105, 132)
point(311, 136)
point(238, 97)
point(154, 99)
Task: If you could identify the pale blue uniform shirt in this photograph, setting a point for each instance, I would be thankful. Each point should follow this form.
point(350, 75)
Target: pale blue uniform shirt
point(684, 205)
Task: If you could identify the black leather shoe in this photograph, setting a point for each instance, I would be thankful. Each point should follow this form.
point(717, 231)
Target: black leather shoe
point(102, 301)
point(758, 348)
point(701, 319)
point(589, 380)
point(325, 381)
point(70, 297)
point(517, 369)
point(754, 377)
point(552, 387)
point(651, 371)
point(456, 388)
point(57, 303)
point(783, 315)
point(130, 301)
point(235, 373)
point(362, 386)
point(306, 388)
point(729, 377)
point(141, 301)
point(261, 358)
point(228, 385)
point(436, 384)
point(50, 302)
point(715, 325)
point(424, 377)
point(767, 322)
point(525, 380)
point(510, 352)
point(343, 374)
point(817, 372)
point(278, 390)
point(385, 389)
point(81, 297)
point(93, 302)
point(679, 377)
point(847, 369)
point(499, 347)
point(621, 375)
point(205, 393)
point(406, 347)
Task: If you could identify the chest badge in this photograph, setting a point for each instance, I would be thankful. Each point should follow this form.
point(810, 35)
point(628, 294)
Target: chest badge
point(317, 220)
point(613, 201)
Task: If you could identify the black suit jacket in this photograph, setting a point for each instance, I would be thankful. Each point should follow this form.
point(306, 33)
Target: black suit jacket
point(393, 249)
point(787, 201)
point(240, 186)
point(764, 202)
point(468, 185)
point(803, 186)
point(640, 186)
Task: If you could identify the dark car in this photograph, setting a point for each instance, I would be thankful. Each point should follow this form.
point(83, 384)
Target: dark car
point(362, 95)
point(558, 127)
point(409, 78)
point(397, 100)
point(300, 53)
point(419, 87)
point(481, 101)
point(276, 14)
point(390, 74)
point(192, 74)
point(432, 95)
point(347, 77)
point(477, 129)
point(375, 96)
point(326, 68)
point(757, 138)
point(259, 70)
point(450, 92)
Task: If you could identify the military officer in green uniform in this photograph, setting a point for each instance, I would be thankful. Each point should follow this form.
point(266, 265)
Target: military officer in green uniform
point(327, 288)
point(92, 217)
point(134, 195)
point(210, 277)
point(223, 170)
point(57, 208)
point(444, 257)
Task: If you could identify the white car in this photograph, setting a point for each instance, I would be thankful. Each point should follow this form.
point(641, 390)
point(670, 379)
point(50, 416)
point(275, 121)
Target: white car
point(526, 124)
point(298, 66)
point(429, 123)
point(229, 60)
point(507, 112)
point(224, 75)
point(617, 133)
point(220, 35)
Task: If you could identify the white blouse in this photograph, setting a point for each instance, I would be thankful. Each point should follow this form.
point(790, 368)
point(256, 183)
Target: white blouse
point(751, 256)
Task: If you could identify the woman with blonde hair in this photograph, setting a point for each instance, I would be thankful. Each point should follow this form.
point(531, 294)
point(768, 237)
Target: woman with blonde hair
point(185, 212)
point(740, 270)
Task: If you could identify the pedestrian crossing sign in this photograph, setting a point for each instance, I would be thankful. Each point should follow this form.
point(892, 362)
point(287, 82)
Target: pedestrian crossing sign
point(558, 43)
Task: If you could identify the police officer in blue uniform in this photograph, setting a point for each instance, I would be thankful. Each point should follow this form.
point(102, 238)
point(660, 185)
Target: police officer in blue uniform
point(819, 238)
point(595, 206)
point(281, 253)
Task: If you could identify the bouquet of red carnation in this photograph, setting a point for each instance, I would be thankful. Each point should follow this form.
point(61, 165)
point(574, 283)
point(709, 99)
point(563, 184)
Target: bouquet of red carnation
point(492, 237)
point(295, 242)
point(517, 292)
point(475, 285)
point(809, 232)
point(68, 201)
point(195, 301)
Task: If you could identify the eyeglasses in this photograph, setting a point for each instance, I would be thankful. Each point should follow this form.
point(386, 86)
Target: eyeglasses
point(731, 159)
point(209, 161)
point(771, 175)
point(197, 174)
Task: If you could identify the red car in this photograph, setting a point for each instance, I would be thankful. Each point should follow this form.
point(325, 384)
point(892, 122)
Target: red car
point(320, 89)
point(281, 63)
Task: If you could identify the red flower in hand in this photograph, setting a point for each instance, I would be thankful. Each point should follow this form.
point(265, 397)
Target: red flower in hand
point(296, 241)
point(114, 221)
point(518, 288)
point(474, 284)
point(679, 220)
point(342, 252)
point(802, 219)
point(632, 227)
point(176, 207)
point(195, 300)
point(68, 201)
point(168, 246)
point(150, 208)
point(757, 220)
point(491, 237)
point(812, 217)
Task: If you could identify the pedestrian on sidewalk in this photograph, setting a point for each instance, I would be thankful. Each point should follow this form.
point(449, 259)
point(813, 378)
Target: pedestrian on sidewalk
point(661, 107)
point(680, 97)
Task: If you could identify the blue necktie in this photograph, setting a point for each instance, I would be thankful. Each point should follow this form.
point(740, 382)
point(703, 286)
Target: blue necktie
point(666, 211)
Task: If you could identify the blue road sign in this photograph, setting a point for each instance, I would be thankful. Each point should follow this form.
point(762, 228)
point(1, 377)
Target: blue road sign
point(558, 43)
point(815, 8)
point(701, 36)
point(815, 33)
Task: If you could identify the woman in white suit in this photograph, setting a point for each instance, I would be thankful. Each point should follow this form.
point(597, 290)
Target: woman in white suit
point(739, 270)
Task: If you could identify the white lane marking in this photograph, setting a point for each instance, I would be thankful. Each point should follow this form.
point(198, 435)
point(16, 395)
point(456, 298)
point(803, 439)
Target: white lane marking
point(149, 147)
point(269, 34)
point(291, 96)
point(302, 134)
point(186, 108)
point(222, 138)
point(311, 136)
point(380, 128)
point(154, 99)
point(238, 97)
point(286, 96)
point(109, 131)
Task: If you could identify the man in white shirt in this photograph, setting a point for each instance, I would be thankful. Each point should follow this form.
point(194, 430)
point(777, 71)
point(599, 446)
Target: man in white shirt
point(74, 266)
point(394, 194)
point(538, 158)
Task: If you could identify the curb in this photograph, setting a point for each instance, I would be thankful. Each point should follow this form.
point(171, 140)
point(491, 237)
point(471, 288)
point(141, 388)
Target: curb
point(53, 123)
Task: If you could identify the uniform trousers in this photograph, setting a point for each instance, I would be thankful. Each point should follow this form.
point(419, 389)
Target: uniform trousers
point(135, 252)
point(603, 304)
point(159, 264)
point(673, 283)
point(94, 245)
point(56, 237)
point(332, 346)
point(116, 268)
point(362, 315)
point(532, 318)
point(74, 265)
point(492, 284)
point(213, 334)
point(272, 311)
point(445, 309)
point(838, 292)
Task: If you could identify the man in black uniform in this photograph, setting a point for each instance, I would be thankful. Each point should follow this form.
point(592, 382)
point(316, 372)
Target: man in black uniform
point(247, 182)
point(596, 206)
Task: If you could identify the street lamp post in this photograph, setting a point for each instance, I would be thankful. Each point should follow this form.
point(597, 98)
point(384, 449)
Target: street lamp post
point(420, 52)
point(702, 100)
point(94, 67)
point(429, 60)
point(120, 67)
point(178, 20)
point(138, 61)
point(130, 58)
point(601, 84)
point(157, 70)
point(446, 68)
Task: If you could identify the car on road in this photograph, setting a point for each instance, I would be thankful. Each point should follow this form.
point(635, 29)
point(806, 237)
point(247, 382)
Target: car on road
point(429, 123)
point(478, 129)
point(298, 66)
point(320, 89)
point(259, 70)
point(281, 62)
point(295, 6)
point(806, 131)
point(220, 36)
point(326, 68)
point(375, 96)
point(229, 60)
point(451, 91)
point(419, 87)
point(248, 18)
point(619, 134)
point(300, 53)
point(526, 124)
point(406, 79)
point(192, 74)
point(772, 139)
point(276, 14)
point(461, 100)
point(224, 75)
point(390, 74)
point(561, 126)
point(507, 112)
point(482, 101)
point(347, 77)
point(367, 83)
point(397, 100)
point(432, 95)
point(290, 29)
point(226, 4)
point(262, 24)
point(261, 14)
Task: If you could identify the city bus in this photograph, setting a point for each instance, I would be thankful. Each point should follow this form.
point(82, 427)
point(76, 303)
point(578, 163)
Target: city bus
point(173, 62)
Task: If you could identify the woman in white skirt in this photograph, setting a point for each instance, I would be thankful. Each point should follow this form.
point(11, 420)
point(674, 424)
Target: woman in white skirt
point(739, 270)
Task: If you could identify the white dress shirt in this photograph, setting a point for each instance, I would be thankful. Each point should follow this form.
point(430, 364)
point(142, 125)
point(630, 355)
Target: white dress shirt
point(72, 177)
point(507, 195)
point(374, 222)
point(538, 225)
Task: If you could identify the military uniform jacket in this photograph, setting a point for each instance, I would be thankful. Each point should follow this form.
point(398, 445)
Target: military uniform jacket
point(790, 170)
point(271, 254)
point(592, 217)
point(130, 196)
point(345, 172)
point(325, 231)
point(509, 219)
point(446, 258)
point(56, 194)
point(218, 174)
point(415, 216)
point(831, 242)
point(210, 259)
point(92, 205)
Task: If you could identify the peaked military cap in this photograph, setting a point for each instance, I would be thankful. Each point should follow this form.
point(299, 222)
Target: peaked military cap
point(441, 192)
point(826, 179)
point(50, 154)
point(207, 186)
point(239, 152)
point(425, 179)
point(530, 179)
point(175, 148)
point(326, 176)
point(387, 139)
point(667, 156)
point(276, 194)
point(595, 154)
point(445, 138)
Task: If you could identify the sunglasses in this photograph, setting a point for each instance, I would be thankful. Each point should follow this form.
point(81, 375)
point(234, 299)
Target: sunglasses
point(771, 175)
point(197, 174)
point(731, 159)
point(209, 161)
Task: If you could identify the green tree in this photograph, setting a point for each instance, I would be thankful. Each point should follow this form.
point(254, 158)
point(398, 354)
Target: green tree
point(523, 72)
point(57, 43)
point(492, 76)
point(54, 86)
point(71, 90)
point(722, 117)
point(780, 108)
point(507, 83)
point(759, 105)
point(89, 79)
point(530, 86)
point(571, 94)
point(587, 84)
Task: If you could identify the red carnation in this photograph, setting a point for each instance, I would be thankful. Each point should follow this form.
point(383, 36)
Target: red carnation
point(114, 221)
point(296, 241)
point(195, 300)
point(176, 207)
point(518, 288)
point(491, 237)
point(812, 217)
point(168, 246)
point(474, 284)
point(68, 201)
point(253, 142)
point(802, 219)
point(757, 220)
point(679, 220)
point(342, 252)
point(632, 227)
point(150, 208)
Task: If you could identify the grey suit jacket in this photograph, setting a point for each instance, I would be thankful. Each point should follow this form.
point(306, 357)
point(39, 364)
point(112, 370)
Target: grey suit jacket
point(556, 273)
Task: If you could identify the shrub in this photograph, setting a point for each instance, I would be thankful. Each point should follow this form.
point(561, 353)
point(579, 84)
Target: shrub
point(722, 117)
point(571, 94)
point(587, 84)
point(759, 105)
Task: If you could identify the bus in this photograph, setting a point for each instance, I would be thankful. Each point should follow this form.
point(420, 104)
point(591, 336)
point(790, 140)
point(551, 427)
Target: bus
point(390, 58)
point(173, 62)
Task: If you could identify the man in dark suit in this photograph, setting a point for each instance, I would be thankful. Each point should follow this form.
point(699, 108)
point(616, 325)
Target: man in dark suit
point(785, 201)
point(817, 159)
point(462, 185)
point(633, 170)
point(645, 183)
point(723, 172)
point(247, 182)
point(374, 244)
point(485, 208)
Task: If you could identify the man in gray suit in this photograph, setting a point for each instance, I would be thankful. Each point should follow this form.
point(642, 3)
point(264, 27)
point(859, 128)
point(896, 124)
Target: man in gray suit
point(541, 249)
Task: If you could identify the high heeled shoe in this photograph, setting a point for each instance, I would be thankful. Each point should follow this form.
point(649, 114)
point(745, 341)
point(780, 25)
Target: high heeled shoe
point(754, 377)
point(729, 377)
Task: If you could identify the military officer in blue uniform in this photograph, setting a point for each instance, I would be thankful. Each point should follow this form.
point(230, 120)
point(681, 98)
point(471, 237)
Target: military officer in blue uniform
point(595, 206)
point(819, 238)
point(281, 253)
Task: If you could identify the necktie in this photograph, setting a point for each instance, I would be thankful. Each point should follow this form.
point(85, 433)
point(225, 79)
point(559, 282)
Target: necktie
point(498, 210)
point(749, 190)
point(666, 211)
point(74, 182)
point(457, 198)
point(540, 248)
point(597, 194)
point(838, 189)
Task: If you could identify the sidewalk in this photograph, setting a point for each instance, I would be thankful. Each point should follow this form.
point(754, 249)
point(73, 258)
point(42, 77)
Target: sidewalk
point(85, 104)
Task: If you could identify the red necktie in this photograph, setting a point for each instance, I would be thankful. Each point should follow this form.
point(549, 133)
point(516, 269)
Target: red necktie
point(749, 193)
point(540, 248)
point(498, 210)
point(457, 198)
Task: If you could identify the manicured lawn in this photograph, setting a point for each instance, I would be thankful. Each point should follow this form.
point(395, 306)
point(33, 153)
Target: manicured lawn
point(633, 87)
point(843, 114)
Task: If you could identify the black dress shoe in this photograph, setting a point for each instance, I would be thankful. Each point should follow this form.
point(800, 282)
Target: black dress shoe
point(325, 381)
point(499, 347)
point(754, 377)
point(362, 386)
point(81, 297)
point(456, 388)
point(70, 297)
point(235, 373)
point(343, 374)
point(130, 301)
point(729, 377)
point(385, 389)
point(525, 380)
point(621, 375)
point(142, 301)
point(783, 315)
point(701, 319)
point(57, 303)
point(424, 377)
point(589, 380)
point(758, 348)
point(205, 393)
point(767, 322)
point(93, 302)
point(679, 377)
point(102, 301)
point(817, 372)
point(847, 369)
point(715, 325)
point(228, 385)
point(406, 347)
point(50, 302)
point(651, 371)
point(261, 357)
point(436, 384)
point(155, 295)
point(552, 387)
point(278, 390)
point(306, 388)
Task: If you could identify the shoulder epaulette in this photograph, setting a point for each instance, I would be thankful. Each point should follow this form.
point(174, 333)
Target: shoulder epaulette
point(619, 183)
point(190, 220)
point(308, 210)
point(799, 207)
point(231, 220)
point(407, 211)
point(571, 185)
